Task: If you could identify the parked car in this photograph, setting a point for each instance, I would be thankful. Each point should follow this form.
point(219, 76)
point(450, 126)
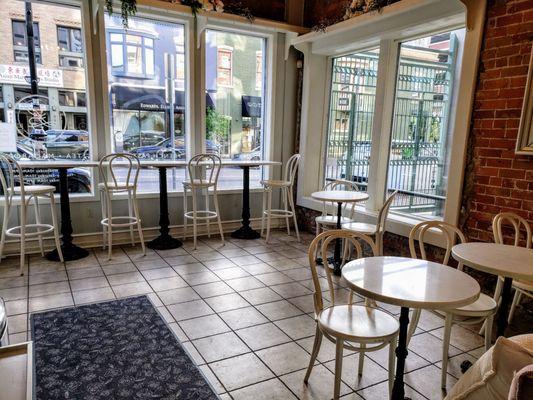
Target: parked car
point(253, 155)
point(164, 149)
point(67, 143)
point(144, 139)
point(79, 179)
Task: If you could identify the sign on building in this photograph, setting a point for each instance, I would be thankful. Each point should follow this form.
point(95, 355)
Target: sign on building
point(20, 75)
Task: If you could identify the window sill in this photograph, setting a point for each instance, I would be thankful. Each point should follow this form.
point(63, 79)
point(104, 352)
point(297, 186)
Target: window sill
point(398, 224)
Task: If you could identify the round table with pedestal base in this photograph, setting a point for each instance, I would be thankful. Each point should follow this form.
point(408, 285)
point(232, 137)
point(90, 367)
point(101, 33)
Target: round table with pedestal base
point(409, 283)
point(509, 262)
point(339, 197)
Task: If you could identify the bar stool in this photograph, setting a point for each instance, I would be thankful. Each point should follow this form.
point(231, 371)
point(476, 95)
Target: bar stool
point(108, 166)
point(9, 172)
point(209, 164)
point(286, 185)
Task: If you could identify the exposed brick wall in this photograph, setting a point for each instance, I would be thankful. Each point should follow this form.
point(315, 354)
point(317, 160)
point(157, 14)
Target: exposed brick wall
point(500, 180)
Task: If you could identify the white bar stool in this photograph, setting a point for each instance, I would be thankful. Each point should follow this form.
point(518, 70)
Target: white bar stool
point(108, 168)
point(286, 185)
point(200, 164)
point(10, 172)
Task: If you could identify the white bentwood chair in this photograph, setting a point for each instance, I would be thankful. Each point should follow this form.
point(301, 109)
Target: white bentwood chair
point(377, 230)
point(286, 185)
point(129, 165)
point(328, 220)
point(482, 310)
point(204, 170)
point(522, 288)
point(349, 326)
point(10, 173)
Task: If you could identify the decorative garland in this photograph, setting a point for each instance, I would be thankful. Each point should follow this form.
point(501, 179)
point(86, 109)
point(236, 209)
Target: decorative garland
point(353, 9)
point(127, 8)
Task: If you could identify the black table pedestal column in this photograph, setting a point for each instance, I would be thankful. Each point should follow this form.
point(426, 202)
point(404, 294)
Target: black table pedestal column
point(164, 241)
point(503, 312)
point(70, 251)
point(245, 231)
point(398, 391)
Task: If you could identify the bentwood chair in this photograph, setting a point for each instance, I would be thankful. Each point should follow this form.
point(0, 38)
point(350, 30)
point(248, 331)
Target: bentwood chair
point(120, 172)
point(377, 230)
point(204, 170)
point(482, 310)
point(521, 287)
point(10, 174)
point(287, 187)
point(349, 326)
point(4, 337)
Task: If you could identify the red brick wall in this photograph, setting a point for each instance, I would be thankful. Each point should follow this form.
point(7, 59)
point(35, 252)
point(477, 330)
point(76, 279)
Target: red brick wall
point(501, 180)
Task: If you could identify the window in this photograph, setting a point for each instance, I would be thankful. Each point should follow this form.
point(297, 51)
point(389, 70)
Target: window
point(70, 45)
point(351, 115)
point(418, 152)
point(132, 55)
point(141, 100)
point(235, 101)
point(59, 90)
point(225, 67)
point(20, 42)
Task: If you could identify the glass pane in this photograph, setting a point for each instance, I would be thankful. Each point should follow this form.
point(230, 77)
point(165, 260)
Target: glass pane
point(234, 115)
point(51, 128)
point(76, 45)
point(418, 160)
point(117, 57)
point(140, 108)
point(133, 39)
point(353, 92)
point(135, 61)
point(116, 37)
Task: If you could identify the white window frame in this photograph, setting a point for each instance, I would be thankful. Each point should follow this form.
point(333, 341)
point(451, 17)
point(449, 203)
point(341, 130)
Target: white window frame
point(225, 49)
point(319, 52)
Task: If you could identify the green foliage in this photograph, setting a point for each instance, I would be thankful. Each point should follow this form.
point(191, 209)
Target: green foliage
point(217, 125)
point(127, 8)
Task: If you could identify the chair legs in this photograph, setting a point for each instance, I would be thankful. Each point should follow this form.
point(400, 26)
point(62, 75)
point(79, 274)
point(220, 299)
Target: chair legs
point(285, 195)
point(219, 221)
point(392, 362)
point(488, 331)
point(23, 222)
point(38, 222)
point(131, 212)
point(413, 324)
point(5, 220)
point(288, 208)
point(497, 295)
point(516, 300)
point(269, 217)
point(185, 210)
point(138, 219)
point(361, 362)
point(56, 227)
point(445, 348)
point(195, 211)
point(293, 209)
point(339, 347)
point(314, 353)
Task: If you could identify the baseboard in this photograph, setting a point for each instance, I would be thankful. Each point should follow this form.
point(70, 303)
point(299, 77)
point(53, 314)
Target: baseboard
point(122, 237)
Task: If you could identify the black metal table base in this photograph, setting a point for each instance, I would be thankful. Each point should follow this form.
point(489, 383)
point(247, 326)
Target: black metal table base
point(398, 390)
point(70, 251)
point(164, 241)
point(245, 231)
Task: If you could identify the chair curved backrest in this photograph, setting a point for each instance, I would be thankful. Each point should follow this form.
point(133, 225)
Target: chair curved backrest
point(449, 231)
point(339, 184)
point(110, 163)
point(384, 212)
point(9, 170)
point(211, 163)
point(291, 168)
point(324, 240)
point(509, 218)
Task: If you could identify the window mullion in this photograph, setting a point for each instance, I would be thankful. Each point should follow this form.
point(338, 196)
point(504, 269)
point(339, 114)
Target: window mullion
point(381, 132)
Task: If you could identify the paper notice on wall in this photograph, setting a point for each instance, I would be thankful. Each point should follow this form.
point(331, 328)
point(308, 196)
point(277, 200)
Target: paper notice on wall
point(8, 137)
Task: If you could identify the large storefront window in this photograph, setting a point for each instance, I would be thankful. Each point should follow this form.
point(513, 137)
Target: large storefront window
point(53, 122)
point(146, 71)
point(418, 160)
point(235, 101)
point(351, 115)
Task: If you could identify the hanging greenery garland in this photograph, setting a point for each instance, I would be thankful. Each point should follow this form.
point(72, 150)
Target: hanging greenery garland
point(127, 8)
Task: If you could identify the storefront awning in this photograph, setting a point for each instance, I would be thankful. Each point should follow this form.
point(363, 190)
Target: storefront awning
point(144, 99)
point(251, 106)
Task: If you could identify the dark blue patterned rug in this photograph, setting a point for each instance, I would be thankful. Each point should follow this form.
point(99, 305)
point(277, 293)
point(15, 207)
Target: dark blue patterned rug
point(120, 349)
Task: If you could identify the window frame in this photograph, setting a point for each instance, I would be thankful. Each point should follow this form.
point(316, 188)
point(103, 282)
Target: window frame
point(24, 48)
point(361, 34)
point(227, 50)
point(125, 72)
point(69, 53)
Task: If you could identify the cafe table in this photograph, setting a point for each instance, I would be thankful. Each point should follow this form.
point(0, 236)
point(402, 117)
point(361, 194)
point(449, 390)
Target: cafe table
point(409, 283)
point(339, 197)
point(164, 241)
point(509, 262)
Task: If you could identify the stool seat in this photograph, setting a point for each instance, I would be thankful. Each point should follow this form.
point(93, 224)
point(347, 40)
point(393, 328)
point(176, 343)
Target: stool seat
point(35, 189)
point(118, 186)
point(330, 220)
point(198, 183)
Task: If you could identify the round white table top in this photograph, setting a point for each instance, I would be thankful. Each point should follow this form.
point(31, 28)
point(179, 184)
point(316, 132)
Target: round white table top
point(497, 259)
point(340, 196)
point(408, 282)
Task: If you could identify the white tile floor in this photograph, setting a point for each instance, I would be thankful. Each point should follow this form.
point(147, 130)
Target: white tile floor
point(243, 311)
